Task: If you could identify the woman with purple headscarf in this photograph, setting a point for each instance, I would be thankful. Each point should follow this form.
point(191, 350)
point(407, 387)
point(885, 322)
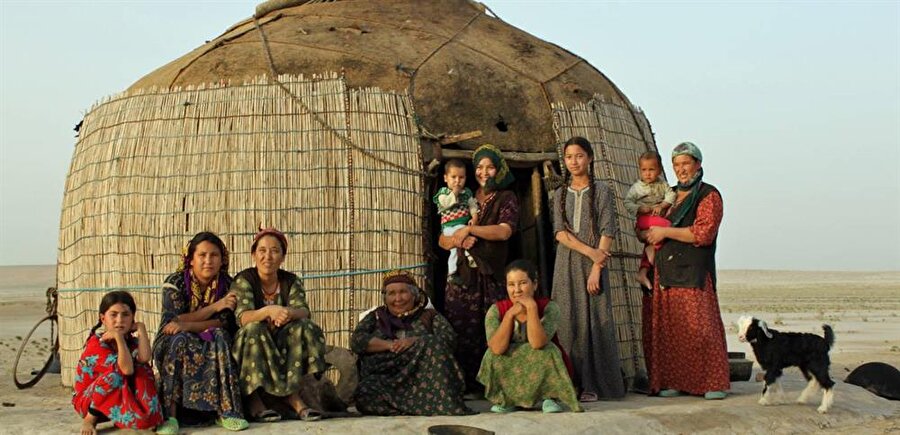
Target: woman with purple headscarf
point(192, 350)
point(405, 348)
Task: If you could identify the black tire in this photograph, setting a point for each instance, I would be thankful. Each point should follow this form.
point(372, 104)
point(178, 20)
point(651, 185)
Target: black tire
point(53, 350)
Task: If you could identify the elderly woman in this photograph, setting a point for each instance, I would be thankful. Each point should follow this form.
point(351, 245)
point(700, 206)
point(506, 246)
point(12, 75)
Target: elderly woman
point(192, 350)
point(687, 342)
point(406, 364)
point(466, 302)
point(277, 344)
point(524, 364)
point(584, 221)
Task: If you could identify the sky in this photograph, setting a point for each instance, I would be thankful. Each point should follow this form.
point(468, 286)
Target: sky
point(795, 105)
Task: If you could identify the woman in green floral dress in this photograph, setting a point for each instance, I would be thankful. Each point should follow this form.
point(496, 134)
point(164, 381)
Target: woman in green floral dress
point(278, 343)
point(524, 365)
point(406, 364)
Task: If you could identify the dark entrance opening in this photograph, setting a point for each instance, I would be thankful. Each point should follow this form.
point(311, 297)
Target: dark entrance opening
point(532, 239)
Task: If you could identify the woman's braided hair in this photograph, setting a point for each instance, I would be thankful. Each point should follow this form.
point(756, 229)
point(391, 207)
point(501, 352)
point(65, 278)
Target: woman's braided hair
point(585, 145)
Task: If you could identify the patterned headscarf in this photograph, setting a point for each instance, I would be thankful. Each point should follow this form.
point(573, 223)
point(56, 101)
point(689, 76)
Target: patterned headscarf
point(389, 322)
point(692, 185)
point(201, 297)
point(504, 177)
point(687, 148)
point(272, 231)
point(396, 275)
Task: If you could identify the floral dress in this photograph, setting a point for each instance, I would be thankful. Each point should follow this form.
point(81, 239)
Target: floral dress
point(196, 371)
point(275, 359)
point(466, 303)
point(687, 348)
point(129, 401)
point(423, 380)
point(524, 376)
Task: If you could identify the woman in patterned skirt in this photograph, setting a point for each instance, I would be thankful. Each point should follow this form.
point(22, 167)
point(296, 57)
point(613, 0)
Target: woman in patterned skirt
point(687, 346)
point(278, 344)
point(192, 350)
point(467, 300)
point(406, 364)
point(524, 365)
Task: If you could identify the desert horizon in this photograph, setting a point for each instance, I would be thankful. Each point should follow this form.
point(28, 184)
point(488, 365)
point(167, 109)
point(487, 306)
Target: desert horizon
point(863, 308)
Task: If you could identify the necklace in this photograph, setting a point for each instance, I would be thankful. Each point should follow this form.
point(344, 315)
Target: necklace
point(269, 293)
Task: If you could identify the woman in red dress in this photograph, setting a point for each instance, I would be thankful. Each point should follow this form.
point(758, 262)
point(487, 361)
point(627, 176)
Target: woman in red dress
point(687, 350)
point(113, 380)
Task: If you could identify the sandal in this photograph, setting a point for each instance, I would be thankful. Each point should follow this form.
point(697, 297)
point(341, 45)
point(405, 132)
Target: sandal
point(670, 393)
point(267, 416)
point(588, 397)
point(500, 409)
point(168, 427)
point(233, 424)
point(715, 395)
point(309, 414)
point(550, 406)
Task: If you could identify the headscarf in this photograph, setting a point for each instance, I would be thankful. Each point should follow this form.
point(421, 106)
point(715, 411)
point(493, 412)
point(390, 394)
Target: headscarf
point(687, 148)
point(272, 231)
point(389, 322)
point(504, 177)
point(693, 185)
point(201, 297)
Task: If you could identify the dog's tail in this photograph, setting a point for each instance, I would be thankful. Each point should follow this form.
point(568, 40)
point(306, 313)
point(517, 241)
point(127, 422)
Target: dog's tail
point(829, 336)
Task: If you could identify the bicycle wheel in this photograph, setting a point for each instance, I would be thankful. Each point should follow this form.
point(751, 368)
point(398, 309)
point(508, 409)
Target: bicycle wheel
point(23, 381)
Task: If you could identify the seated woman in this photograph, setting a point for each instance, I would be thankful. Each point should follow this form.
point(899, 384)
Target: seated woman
point(522, 367)
point(406, 364)
point(278, 343)
point(192, 350)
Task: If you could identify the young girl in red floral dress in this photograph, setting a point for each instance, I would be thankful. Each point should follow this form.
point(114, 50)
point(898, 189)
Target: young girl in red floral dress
point(113, 381)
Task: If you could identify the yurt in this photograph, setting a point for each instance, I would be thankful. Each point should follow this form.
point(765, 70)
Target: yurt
point(329, 120)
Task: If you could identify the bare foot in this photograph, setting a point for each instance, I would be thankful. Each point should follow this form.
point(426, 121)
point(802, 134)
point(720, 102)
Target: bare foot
point(651, 253)
point(296, 402)
point(89, 425)
point(255, 404)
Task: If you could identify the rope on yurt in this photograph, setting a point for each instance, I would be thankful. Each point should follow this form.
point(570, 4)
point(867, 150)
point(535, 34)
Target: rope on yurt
point(294, 97)
point(156, 288)
point(302, 276)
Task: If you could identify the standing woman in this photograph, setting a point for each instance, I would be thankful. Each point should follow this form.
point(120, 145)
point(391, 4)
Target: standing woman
point(467, 300)
point(688, 350)
point(192, 350)
point(584, 221)
point(278, 343)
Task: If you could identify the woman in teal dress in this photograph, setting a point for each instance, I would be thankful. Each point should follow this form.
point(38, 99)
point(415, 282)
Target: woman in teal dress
point(524, 365)
point(278, 344)
point(406, 364)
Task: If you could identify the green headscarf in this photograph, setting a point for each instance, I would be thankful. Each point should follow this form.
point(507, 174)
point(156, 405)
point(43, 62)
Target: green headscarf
point(687, 148)
point(693, 185)
point(504, 177)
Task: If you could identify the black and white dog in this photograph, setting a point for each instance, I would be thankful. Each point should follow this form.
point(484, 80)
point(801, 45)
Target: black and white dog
point(777, 350)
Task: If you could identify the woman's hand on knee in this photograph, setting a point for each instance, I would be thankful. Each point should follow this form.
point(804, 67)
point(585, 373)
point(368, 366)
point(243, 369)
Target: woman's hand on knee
point(172, 328)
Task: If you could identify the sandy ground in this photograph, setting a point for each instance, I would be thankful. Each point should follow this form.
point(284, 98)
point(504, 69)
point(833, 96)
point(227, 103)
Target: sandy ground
point(863, 308)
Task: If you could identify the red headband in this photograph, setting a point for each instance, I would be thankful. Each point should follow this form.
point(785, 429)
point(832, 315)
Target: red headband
point(271, 231)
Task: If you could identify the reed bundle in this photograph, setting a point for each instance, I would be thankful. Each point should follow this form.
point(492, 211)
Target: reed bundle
point(619, 136)
point(154, 167)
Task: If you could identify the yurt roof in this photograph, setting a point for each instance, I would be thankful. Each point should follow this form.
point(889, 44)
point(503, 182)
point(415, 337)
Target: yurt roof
point(464, 69)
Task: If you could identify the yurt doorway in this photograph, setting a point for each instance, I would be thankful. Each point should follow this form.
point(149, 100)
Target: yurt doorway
point(532, 240)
